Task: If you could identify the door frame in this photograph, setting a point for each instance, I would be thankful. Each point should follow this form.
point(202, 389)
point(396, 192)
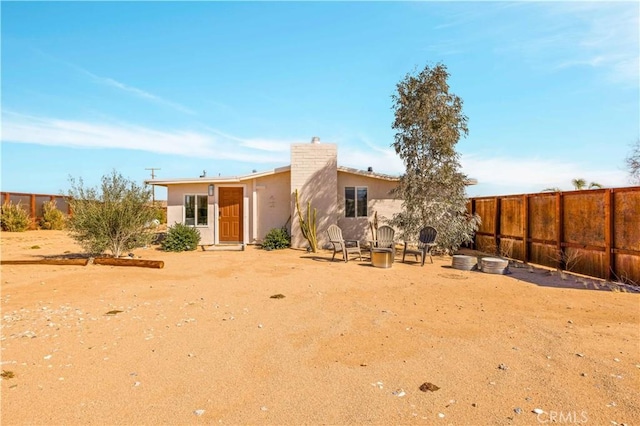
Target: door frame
point(245, 212)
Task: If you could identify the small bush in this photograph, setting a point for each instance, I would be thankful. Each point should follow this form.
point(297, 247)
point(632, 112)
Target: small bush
point(14, 218)
point(181, 237)
point(159, 213)
point(52, 218)
point(276, 239)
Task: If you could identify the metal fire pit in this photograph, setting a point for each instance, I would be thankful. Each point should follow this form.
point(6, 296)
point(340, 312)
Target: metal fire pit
point(382, 257)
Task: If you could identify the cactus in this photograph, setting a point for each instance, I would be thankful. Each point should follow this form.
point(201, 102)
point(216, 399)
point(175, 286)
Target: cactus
point(308, 225)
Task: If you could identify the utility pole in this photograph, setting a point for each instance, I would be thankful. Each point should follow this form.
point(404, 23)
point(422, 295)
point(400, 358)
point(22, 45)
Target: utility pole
point(153, 176)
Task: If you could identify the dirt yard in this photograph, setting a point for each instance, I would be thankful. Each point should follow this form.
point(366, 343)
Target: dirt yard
point(202, 341)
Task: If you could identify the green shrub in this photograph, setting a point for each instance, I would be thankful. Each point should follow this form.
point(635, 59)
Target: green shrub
point(14, 218)
point(276, 239)
point(52, 218)
point(181, 237)
point(112, 216)
point(159, 213)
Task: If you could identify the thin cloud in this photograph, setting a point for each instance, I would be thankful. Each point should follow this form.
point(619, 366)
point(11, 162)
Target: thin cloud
point(117, 84)
point(19, 128)
point(599, 35)
point(535, 173)
point(142, 94)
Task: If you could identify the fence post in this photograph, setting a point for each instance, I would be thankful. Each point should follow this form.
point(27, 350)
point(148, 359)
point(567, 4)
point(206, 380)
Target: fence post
point(33, 211)
point(496, 236)
point(609, 233)
point(473, 211)
point(559, 229)
point(525, 228)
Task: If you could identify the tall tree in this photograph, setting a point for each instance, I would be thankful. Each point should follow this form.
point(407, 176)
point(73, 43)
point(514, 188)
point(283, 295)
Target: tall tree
point(579, 183)
point(429, 122)
point(633, 163)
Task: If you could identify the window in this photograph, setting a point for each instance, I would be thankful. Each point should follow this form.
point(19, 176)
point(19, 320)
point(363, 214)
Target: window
point(355, 201)
point(196, 210)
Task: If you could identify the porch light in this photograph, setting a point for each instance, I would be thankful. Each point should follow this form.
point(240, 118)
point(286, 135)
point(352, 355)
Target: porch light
point(211, 188)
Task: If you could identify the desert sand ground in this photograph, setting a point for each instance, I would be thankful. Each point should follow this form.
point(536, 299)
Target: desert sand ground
point(201, 341)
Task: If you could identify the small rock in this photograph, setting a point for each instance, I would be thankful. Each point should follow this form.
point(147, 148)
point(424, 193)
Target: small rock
point(474, 405)
point(503, 367)
point(583, 374)
point(47, 357)
point(538, 410)
point(517, 410)
point(426, 386)
point(198, 412)
point(399, 393)
point(580, 355)
point(616, 360)
point(441, 415)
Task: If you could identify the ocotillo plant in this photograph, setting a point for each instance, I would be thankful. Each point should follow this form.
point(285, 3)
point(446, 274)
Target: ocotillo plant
point(308, 225)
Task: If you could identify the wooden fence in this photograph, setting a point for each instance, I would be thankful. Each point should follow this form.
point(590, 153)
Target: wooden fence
point(590, 232)
point(33, 203)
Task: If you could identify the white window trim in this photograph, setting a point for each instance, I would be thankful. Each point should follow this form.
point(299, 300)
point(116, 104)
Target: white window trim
point(184, 210)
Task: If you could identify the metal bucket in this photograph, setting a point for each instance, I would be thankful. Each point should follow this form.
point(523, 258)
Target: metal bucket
point(382, 258)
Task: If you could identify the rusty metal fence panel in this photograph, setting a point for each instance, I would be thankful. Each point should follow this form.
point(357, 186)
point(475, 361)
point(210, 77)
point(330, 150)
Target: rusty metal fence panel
point(33, 204)
point(590, 232)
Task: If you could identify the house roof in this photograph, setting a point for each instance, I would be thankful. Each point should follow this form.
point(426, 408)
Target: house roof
point(239, 178)
point(217, 179)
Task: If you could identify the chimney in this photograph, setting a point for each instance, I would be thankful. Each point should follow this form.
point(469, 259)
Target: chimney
point(315, 139)
point(370, 169)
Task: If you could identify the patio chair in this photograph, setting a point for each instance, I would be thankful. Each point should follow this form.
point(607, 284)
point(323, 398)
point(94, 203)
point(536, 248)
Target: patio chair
point(426, 243)
point(340, 244)
point(385, 239)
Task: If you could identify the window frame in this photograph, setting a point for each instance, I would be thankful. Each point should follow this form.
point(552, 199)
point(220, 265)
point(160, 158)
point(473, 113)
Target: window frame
point(356, 204)
point(196, 216)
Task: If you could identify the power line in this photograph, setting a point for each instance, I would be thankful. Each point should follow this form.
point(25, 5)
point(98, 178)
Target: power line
point(153, 176)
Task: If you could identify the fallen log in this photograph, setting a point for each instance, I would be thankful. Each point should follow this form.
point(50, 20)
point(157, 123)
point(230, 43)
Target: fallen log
point(116, 261)
point(78, 262)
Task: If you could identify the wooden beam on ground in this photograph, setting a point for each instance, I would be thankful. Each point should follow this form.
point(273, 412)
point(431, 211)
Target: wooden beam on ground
point(112, 261)
point(77, 262)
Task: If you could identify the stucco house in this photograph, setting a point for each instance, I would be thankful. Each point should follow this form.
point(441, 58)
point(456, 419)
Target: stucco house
point(243, 209)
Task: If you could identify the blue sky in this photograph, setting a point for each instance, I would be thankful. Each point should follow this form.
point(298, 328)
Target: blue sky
point(551, 89)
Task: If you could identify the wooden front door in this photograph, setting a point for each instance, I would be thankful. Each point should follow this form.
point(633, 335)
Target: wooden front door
point(230, 208)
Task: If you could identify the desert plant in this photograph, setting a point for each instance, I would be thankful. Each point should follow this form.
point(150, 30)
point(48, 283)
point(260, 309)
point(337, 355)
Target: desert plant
point(373, 225)
point(14, 218)
point(114, 216)
point(566, 260)
point(52, 218)
point(159, 213)
point(276, 239)
point(181, 237)
point(308, 225)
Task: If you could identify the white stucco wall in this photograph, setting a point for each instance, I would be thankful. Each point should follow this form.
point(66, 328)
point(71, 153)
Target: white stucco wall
point(314, 175)
point(175, 208)
point(273, 202)
point(379, 200)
